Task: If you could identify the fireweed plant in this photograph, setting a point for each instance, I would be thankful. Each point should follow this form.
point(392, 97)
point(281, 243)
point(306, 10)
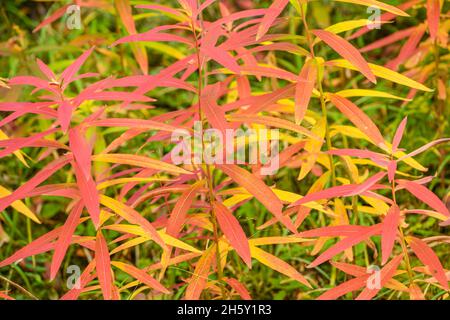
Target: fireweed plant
point(343, 213)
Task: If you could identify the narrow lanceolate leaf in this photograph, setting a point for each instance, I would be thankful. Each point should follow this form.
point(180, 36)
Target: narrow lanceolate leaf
point(132, 123)
point(39, 245)
point(233, 231)
point(53, 17)
point(139, 161)
point(348, 93)
point(433, 11)
point(430, 259)
point(272, 13)
point(65, 114)
point(377, 4)
point(389, 232)
point(179, 212)
point(344, 288)
point(358, 118)
point(340, 191)
point(81, 150)
point(334, 231)
point(239, 288)
point(347, 51)
point(17, 153)
point(132, 216)
point(273, 122)
point(103, 266)
point(68, 74)
point(346, 243)
point(19, 206)
point(32, 183)
point(140, 275)
point(304, 89)
point(65, 238)
point(398, 135)
point(425, 195)
point(259, 190)
point(277, 264)
point(387, 272)
point(89, 194)
point(213, 112)
point(200, 277)
point(385, 73)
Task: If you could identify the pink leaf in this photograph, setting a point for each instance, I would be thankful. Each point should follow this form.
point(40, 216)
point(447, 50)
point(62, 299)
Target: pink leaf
point(233, 231)
point(430, 259)
point(389, 232)
point(347, 51)
point(425, 195)
point(103, 266)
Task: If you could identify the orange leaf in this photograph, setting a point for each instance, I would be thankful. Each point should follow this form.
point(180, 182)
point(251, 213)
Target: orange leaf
point(389, 232)
point(277, 264)
point(179, 212)
point(233, 231)
point(428, 258)
point(198, 281)
point(103, 266)
point(140, 275)
point(65, 238)
point(259, 190)
point(358, 118)
point(347, 51)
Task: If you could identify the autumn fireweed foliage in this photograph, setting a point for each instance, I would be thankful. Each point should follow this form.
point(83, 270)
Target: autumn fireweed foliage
point(345, 188)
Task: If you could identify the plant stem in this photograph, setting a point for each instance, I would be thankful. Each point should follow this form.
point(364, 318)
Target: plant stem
point(28, 293)
point(402, 239)
point(208, 172)
point(322, 99)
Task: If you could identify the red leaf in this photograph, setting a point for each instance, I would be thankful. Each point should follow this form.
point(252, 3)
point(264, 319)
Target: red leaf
point(273, 12)
point(81, 151)
point(239, 287)
point(53, 17)
point(398, 135)
point(389, 232)
point(340, 191)
point(89, 194)
point(41, 244)
point(429, 258)
point(65, 114)
point(433, 11)
point(178, 215)
point(347, 51)
point(68, 74)
point(103, 266)
point(259, 190)
point(358, 118)
point(333, 231)
point(387, 273)
point(233, 231)
point(303, 90)
point(343, 288)
point(346, 243)
point(65, 238)
point(140, 275)
point(41, 176)
point(425, 195)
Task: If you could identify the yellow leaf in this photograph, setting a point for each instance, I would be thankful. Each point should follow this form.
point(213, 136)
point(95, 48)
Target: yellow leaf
point(109, 183)
point(139, 161)
point(368, 93)
point(384, 73)
point(19, 206)
point(277, 264)
point(381, 5)
point(17, 153)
